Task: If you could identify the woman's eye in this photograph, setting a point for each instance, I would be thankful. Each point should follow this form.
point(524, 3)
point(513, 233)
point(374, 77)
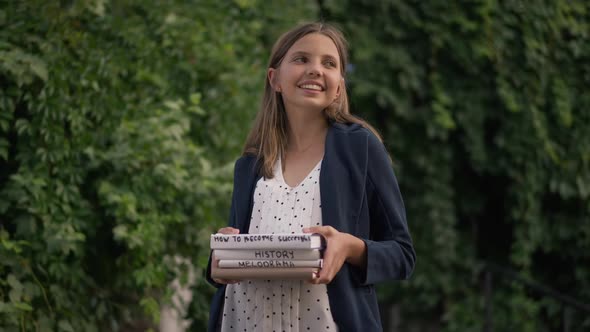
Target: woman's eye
point(299, 59)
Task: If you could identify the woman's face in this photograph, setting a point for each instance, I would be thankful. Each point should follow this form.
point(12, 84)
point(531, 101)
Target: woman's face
point(308, 77)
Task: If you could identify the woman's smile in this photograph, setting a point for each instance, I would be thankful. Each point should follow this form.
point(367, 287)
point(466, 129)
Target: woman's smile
point(308, 77)
point(311, 85)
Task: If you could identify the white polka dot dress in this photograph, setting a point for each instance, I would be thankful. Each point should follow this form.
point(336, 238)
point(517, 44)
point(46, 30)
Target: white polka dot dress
point(276, 305)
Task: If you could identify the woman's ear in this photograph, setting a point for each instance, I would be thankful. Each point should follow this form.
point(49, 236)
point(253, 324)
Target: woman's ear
point(272, 75)
point(340, 88)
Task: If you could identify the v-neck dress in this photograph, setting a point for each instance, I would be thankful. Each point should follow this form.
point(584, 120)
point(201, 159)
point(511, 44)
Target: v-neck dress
point(280, 305)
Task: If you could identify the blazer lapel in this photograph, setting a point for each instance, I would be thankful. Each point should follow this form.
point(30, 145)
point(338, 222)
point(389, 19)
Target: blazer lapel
point(343, 176)
point(248, 175)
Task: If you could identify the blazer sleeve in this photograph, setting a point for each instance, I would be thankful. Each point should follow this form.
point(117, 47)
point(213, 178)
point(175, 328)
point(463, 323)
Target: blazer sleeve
point(390, 252)
point(232, 222)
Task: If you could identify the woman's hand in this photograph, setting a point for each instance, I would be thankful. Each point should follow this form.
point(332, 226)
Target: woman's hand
point(215, 262)
point(340, 247)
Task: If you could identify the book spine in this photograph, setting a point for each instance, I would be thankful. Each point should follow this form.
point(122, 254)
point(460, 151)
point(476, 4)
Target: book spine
point(287, 254)
point(237, 263)
point(298, 273)
point(265, 241)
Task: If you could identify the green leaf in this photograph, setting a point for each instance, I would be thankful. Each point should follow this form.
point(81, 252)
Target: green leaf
point(65, 326)
point(23, 306)
point(39, 68)
point(151, 307)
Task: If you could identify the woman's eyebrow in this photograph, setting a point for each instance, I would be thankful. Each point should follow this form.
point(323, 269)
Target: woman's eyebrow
point(300, 53)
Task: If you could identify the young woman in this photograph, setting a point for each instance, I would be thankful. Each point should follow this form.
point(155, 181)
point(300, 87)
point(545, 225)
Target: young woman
point(310, 166)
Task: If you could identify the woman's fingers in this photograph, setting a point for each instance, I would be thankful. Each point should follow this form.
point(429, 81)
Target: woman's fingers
point(228, 230)
point(328, 272)
point(334, 254)
point(324, 230)
point(225, 281)
point(224, 230)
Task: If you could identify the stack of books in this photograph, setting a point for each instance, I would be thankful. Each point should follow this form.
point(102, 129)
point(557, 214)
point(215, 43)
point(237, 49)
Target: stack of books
point(266, 256)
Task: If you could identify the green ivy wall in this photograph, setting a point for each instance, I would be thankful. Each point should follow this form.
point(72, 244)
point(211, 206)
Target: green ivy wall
point(120, 122)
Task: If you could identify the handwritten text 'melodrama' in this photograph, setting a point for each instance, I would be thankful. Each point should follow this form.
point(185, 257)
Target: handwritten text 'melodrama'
point(266, 264)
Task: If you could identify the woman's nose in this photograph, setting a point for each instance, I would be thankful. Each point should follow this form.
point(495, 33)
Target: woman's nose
point(314, 69)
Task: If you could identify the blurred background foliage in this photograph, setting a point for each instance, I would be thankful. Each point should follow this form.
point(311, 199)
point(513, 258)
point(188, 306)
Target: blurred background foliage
point(120, 122)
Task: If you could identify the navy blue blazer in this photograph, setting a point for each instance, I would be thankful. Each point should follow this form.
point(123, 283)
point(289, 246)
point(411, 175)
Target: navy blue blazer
point(360, 196)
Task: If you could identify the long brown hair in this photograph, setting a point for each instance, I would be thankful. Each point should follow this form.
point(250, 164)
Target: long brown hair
point(268, 137)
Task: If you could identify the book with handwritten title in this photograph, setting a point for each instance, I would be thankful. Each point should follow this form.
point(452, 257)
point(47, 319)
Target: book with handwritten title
point(266, 241)
point(287, 273)
point(268, 263)
point(274, 254)
point(266, 256)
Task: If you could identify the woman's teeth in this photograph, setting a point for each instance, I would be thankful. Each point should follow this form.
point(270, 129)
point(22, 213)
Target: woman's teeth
point(311, 87)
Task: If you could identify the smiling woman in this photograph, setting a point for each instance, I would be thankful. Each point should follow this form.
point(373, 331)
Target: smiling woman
point(306, 169)
point(309, 77)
